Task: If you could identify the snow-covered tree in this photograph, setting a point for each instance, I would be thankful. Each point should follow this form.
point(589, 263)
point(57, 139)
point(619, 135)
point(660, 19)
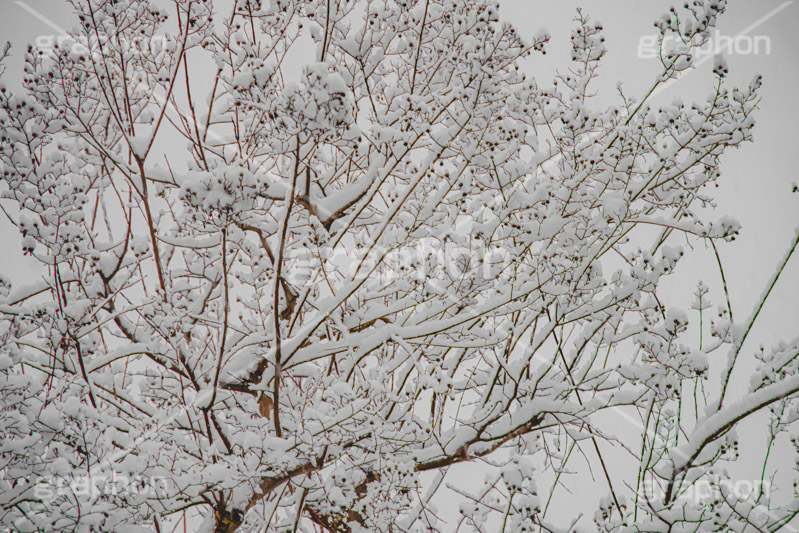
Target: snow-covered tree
point(295, 305)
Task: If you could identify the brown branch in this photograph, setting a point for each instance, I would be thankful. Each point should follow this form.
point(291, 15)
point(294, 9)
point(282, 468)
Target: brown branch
point(276, 293)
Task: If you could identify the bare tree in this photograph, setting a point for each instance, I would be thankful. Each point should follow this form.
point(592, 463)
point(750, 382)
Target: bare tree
point(280, 304)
